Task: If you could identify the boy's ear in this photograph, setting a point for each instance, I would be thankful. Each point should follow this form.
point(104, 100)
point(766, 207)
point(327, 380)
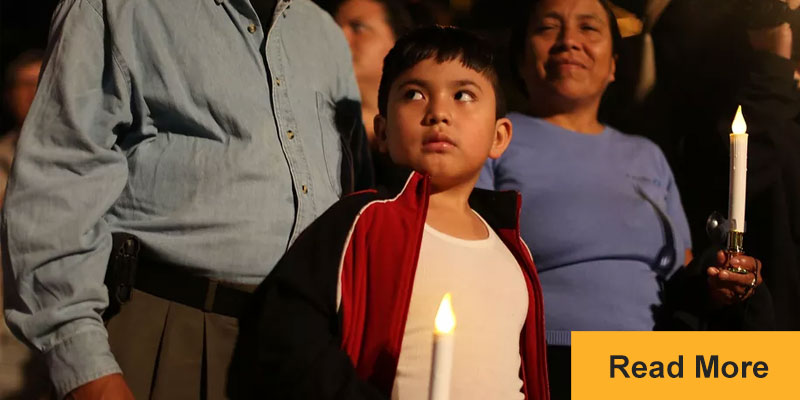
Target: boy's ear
point(379, 124)
point(502, 138)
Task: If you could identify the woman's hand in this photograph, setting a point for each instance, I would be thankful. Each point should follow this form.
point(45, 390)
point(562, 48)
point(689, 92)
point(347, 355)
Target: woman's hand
point(728, 287)
point(109, 387)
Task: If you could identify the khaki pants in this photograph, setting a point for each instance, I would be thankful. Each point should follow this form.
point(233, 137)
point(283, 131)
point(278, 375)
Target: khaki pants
point(171, 351)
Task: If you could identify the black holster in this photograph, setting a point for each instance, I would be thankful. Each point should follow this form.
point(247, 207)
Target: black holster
point(121, 272)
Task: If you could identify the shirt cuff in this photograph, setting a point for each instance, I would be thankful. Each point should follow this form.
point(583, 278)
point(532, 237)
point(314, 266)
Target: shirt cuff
point(80, 359)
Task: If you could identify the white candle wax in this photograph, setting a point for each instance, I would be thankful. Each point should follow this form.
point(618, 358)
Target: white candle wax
point(442, 362)
point(738, 173)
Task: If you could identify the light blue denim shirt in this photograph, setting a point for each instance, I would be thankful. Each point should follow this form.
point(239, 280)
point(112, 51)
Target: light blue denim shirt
point(170, 120)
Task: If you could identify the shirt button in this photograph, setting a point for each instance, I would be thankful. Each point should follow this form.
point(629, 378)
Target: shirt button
point(277, 81)
point(251, 28)
point(290, 134)
point(305, 189)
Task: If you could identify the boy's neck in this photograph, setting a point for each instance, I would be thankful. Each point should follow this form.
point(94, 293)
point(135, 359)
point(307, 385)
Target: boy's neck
point(449, 212)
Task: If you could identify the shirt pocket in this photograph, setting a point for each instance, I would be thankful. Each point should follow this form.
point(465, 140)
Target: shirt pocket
point(653, 187)
point(331, 141)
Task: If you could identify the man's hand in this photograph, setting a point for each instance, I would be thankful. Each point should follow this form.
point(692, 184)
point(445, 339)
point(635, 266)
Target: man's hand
point(109, 387)
point(729, 287)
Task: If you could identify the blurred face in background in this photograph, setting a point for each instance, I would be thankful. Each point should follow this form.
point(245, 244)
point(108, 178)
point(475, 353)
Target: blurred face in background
point(568, 55)
point(366, 27)
point(22, 89)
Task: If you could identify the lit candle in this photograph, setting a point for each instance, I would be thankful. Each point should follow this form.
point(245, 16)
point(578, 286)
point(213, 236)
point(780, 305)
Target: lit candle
point(738, 181)
point(442, 363)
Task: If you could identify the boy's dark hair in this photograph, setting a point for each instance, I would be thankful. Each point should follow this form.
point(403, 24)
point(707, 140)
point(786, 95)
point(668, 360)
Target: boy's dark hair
point(519, 35)
point(441, 44)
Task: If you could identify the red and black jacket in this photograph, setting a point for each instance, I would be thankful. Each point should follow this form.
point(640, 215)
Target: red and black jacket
point(306, 344)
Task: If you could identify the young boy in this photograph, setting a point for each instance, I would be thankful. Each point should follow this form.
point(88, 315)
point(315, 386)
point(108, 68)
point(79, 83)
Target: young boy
point(349, 311)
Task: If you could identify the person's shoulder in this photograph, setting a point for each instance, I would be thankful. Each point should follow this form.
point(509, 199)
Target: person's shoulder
point(528, 128)
point(524, 127)
point(640, 149)
point(340, 216)
point(356, 200)
point(314, 16)
point(317, 30)
point(520, 119)
point(306, 6)
point(639, 142)
point(354, 203)
point(343, 215)
point(364, 196)
point(528, 140)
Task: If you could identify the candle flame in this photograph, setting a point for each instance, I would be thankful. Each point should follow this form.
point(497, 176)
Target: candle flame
point(739, 126)
point(445, 318)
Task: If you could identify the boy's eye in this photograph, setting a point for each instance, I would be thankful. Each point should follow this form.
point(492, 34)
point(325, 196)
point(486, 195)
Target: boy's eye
point(413, 95)
point(463, 95)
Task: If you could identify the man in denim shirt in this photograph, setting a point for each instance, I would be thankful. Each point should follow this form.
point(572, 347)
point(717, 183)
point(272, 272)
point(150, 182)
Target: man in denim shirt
point(207, 129)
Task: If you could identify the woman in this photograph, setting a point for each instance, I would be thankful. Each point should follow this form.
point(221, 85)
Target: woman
point(371, 28)
point(601, 210)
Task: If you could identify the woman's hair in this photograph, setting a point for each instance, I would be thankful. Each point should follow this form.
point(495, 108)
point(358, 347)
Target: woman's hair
point(397, 15)
point(519, 34)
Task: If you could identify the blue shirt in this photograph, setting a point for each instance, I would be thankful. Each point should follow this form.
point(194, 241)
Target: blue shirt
point(193, 125)
point(590, 214)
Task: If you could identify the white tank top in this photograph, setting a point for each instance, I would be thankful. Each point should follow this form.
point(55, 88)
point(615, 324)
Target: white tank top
point(490, 300)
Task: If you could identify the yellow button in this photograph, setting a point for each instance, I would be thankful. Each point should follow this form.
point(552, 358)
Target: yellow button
point(277, 81)
point(251, 28)
point(290, 134)
point(305, 189)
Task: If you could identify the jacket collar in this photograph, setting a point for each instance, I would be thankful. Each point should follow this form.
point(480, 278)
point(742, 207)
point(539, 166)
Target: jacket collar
point(499, 209)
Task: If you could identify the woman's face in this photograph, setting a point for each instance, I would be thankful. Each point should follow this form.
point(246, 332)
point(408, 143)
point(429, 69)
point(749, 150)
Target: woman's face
point(370, 37)
point(568, 52)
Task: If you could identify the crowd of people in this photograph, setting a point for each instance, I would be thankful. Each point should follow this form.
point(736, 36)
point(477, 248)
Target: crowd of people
point(268, 199)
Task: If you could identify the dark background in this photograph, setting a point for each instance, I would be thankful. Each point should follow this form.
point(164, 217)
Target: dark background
point(24, 25)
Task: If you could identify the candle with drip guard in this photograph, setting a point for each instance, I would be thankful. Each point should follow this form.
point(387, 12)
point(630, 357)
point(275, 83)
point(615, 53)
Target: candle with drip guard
point(738, 173)
point(442, 362)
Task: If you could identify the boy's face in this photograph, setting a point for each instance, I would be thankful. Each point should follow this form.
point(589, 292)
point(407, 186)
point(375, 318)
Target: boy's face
point(441, 120)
